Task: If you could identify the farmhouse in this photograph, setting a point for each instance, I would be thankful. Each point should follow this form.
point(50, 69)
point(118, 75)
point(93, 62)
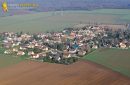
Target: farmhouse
point(20, 53)
point(15, 50)
point(7, 52)
point(31, 53)
point(122, 45)
point(35, 56)
point(81, 53)
point(66, 54)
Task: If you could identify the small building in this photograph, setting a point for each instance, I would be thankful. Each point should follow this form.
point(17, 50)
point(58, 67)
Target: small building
point(15, 50)
point(20, 53)
point(43, 54)
point(30, 53)
point(82, 53)
point(95, 47)
point(31, 46)
point(122, 45)
point(22, 48)
point(54, 55)
point(45, 49)
point(7, 52)
point(66, 54)
point(35, 56)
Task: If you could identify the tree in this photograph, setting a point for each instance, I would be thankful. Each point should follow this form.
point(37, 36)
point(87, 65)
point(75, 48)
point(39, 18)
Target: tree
point(37, 50)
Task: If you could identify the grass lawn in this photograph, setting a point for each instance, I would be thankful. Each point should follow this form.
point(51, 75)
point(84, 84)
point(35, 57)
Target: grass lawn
point(116, 59)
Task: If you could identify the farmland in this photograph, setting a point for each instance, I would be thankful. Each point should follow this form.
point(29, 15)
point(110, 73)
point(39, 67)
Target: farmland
point(8, 60)
point(80, 73)
point(116, 59)
point(16, 70)
point(56, 21)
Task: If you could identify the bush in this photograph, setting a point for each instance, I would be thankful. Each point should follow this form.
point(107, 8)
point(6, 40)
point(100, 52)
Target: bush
point(65, 61)
point(69, 60)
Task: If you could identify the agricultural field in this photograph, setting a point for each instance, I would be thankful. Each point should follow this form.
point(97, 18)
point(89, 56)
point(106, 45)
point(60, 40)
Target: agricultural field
point(79, 73)
point(8, 60)
point(58, 20)
point(95, 68)
point(115, 59)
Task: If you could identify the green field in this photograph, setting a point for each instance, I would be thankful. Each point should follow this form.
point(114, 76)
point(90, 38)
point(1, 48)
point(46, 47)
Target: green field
point(115, 59)
point(56, 21)
point(8, 60)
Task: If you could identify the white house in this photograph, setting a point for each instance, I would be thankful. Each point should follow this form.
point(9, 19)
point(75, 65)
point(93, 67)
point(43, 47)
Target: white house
point(122, 45)
point(20, 53)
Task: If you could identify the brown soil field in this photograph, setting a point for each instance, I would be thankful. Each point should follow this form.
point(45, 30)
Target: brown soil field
point(79, 73)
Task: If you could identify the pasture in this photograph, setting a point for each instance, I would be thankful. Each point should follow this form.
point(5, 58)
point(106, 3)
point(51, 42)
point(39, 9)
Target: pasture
point(115, 59)
point(56, 21)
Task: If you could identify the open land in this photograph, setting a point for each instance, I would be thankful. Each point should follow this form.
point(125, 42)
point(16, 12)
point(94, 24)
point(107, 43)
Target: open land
point(116, 59)
point(58, 20)
point(8, 60)
point(80, 73)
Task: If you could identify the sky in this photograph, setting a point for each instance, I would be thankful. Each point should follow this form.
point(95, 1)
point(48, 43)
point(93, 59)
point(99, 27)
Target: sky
point(69, 4)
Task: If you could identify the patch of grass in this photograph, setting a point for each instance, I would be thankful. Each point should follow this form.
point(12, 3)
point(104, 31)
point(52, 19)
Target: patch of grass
point(116, 59)
point(8, 60)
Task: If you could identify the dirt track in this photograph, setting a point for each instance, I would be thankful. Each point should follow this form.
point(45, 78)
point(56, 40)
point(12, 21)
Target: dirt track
point(80, 73)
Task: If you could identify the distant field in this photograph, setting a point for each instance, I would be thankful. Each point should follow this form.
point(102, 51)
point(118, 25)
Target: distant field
point(56, 21)
point(116, 59)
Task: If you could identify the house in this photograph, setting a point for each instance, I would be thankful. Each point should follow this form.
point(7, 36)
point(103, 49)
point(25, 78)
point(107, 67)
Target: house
point(31, 46)
point(7, 52)
point(22, 48)
point(122, 45)
point(20, 53)
point(72, 51)
point(31, 53)
point(66, 54)
point(19, 39)
point(45, 49)
point(43, 54)
point(13, 45)
point(95, 47)
point(15, 50)
point(35, 56)
point(75, 46)
point(7, 45)
point(54, 55)
point(81, 53)
point(36, 44)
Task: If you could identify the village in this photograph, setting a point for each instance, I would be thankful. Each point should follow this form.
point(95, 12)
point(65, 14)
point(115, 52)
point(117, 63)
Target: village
point(69, 44)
